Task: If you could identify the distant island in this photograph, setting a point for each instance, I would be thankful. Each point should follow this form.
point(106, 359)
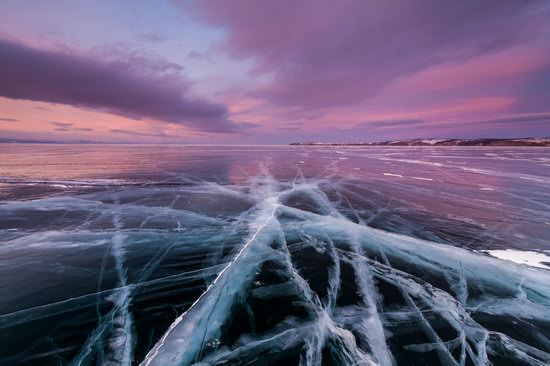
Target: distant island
point(529, 141)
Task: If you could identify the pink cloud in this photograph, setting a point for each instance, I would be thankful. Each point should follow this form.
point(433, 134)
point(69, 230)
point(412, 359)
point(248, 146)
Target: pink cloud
point(336, 53)
point(508, 65)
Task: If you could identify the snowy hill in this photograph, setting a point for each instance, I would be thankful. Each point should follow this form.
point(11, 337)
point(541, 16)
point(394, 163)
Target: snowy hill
point(530, 141)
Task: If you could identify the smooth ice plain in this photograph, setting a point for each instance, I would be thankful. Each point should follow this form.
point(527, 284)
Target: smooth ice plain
point(161, 256)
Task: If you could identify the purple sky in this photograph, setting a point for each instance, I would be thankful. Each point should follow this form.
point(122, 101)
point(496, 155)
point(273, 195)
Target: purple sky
point(259, 71)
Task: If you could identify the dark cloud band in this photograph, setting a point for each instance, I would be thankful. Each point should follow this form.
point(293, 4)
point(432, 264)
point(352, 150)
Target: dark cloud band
point(41, 75)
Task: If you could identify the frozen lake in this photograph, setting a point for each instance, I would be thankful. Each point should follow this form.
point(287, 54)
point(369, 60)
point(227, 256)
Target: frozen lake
point(274, 255)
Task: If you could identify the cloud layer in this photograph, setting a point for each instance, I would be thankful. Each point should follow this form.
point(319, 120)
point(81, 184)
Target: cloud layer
point(323, 53)
point(43, 75)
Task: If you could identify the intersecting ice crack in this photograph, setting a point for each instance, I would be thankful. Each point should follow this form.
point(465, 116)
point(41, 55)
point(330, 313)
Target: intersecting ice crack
point(177, 346)
point(344, 293)
point(121, 334)
point(210, 306)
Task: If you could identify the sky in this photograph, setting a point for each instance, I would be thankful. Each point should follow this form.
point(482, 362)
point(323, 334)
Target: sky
point(273, 72)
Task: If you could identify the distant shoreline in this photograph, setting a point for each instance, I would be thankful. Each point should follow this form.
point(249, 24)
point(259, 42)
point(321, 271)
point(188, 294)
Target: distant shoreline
point(520, 142)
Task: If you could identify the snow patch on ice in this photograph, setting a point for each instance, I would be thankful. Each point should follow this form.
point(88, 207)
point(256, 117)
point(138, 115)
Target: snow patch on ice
point(530, 258)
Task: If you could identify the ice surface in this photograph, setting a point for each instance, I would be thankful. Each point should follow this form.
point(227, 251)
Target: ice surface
point(281, 266)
